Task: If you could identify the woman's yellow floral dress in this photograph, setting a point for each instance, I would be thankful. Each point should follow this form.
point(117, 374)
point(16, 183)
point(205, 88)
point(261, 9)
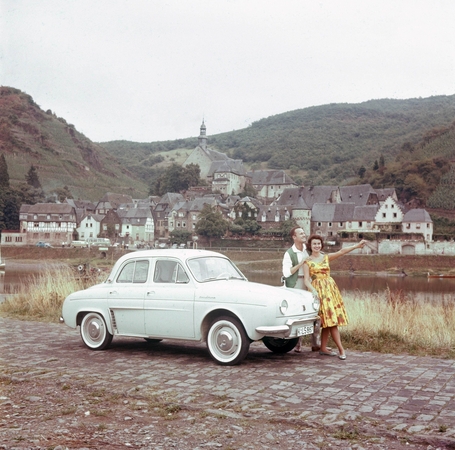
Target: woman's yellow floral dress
point(332, 310)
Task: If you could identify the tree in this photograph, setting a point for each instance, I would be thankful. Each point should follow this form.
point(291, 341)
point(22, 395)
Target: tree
point(376, 165)
point(176, 179)
point(180, 236)
point(362, 171)
point(63, 193)
point(286, 227)
point(4, 176)
point(9, 210)
point(32, 178)
point(211, 223)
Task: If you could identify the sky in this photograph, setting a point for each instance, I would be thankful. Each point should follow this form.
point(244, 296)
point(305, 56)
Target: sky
point(152, 70)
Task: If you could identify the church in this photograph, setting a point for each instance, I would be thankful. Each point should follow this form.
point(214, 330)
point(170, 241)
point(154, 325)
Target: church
point(225, 175)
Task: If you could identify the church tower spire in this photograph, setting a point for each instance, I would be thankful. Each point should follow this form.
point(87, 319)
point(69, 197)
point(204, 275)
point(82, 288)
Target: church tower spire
point(202, 139)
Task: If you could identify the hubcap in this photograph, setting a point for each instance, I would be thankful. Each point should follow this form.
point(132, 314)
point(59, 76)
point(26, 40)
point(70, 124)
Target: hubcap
point(225, 341)
point(94, 330)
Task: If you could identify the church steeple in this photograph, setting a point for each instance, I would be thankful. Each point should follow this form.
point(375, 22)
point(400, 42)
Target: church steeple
point(202, 139)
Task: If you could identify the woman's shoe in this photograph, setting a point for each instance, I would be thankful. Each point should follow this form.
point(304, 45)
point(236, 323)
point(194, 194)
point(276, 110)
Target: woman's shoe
point(327, 353)
point(343, 357)
point(298, 350)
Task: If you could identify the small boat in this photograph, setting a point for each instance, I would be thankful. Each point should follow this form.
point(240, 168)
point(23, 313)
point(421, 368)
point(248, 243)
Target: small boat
point(441, 275)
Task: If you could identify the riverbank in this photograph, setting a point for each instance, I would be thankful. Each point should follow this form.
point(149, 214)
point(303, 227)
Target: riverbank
point(263, 260)
point(393, 265)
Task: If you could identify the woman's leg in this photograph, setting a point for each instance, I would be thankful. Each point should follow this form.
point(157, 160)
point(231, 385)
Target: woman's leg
point(324, 339)
point(335, 333)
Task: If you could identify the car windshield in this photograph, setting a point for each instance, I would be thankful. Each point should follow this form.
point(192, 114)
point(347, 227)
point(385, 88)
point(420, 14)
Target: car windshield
point(214, 268)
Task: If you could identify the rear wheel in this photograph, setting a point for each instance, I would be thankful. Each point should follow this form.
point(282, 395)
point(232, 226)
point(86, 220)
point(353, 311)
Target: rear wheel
point(278, 345)
point(94, 332)
point(227, 341)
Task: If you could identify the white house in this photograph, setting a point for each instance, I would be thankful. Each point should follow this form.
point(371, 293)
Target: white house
point(90, 226)
point(418, 221)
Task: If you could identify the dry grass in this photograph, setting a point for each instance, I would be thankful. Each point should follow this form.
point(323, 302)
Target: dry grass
point(42, 297)
point(396, 321)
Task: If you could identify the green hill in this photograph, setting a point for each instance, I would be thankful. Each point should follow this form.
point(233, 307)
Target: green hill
point(318, 145)
point(61, 155)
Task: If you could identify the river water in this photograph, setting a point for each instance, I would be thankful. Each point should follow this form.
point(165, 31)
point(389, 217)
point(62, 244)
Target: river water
point(417, 287)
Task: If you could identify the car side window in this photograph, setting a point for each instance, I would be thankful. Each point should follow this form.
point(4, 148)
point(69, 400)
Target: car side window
point(169, 272)
point(181, 276)
point(134, 272)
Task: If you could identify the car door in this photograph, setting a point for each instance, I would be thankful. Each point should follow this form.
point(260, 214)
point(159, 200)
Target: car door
point(169, 301)
point(126, 297)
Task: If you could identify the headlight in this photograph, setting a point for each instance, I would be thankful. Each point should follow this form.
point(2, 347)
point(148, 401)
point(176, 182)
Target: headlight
point(316, 304)
point(283, 307)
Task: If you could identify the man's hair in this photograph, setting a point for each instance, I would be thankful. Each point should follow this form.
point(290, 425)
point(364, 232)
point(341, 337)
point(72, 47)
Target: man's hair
point(292, 232)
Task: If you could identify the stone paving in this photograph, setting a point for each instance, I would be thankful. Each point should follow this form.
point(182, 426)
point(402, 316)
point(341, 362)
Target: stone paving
point(400, 395)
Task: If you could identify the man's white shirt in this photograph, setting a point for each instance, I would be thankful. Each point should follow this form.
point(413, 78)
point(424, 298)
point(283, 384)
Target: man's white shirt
point(287, 263)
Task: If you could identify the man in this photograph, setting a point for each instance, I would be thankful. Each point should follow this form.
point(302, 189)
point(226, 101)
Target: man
point(293, 261)
point(294, 258)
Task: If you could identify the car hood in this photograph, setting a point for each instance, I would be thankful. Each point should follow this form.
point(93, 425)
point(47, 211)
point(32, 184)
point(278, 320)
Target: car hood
point(236, 291)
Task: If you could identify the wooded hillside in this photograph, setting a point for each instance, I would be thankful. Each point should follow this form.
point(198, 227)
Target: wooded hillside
point(61, 155)
point(318, 145)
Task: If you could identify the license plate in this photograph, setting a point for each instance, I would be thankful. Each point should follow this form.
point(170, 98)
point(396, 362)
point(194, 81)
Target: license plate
point(302, 331)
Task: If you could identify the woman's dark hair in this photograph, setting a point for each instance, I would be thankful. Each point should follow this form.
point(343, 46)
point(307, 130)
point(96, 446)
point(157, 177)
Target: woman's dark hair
point(311, 239)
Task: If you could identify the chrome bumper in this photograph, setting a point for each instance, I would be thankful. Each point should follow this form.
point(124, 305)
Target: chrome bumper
point(288, 330)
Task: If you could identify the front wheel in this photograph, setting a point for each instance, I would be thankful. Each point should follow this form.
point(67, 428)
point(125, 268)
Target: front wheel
point(94, 332)
point(277, 345)
point(227, 341)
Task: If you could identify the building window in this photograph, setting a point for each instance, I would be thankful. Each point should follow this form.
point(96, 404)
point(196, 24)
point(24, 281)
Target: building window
point(360, 224)
point(394, 215)
point(383, 215)
point(341, 224)
point(330, 224)
point(319, 224)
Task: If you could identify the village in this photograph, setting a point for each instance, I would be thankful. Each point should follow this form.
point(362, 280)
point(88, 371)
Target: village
point(337, 213)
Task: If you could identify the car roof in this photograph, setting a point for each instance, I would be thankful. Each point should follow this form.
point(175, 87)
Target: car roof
point(181, 253)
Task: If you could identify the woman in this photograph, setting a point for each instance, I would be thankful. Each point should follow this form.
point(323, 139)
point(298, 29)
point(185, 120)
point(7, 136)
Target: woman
point(317, 279)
